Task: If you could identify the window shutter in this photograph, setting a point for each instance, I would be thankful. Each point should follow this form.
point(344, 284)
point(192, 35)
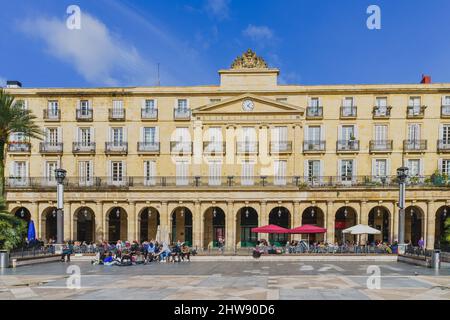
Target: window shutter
point(322, 132)
point(305, 169)
point(60, 138)
point(155, 102)
point(157, 134)
point(355, 169)
point(124, 134)
point(143, 103)
point(339, 168)
point(355, 131)
point(440, 165)
point(306, 133)
point(11, 169)
point(374, 171)
point(321, 171)
point(441, 132)
point(339, 132)
point(421, 169)
point(443, 100)
point(320, 102)
point(92, 134)
point(388, 167)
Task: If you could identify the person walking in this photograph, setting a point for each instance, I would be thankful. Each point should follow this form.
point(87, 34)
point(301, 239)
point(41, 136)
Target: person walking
point(221, 244)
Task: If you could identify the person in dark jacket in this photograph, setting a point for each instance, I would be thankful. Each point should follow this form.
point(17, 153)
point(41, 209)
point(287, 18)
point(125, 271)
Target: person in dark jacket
point(67, 251)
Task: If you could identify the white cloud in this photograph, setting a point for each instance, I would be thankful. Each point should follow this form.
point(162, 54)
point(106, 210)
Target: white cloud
point(218, 8)
point(100, 56)
point(258, 33)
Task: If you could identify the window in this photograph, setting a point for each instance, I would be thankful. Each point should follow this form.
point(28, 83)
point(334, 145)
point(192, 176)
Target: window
point(117, 110)
point(84, 136)
point(215, 139)
point(346, 170)
point(414, 104)
point(18, 137)
point(117, 172)
point(182, 139)
point(149, 135)
point(279, 138)
point(280, 172)
point(380, 168)
point(445, 166)
point(347, 132)
point(150, 104)
point(312, 171)
point(85, 172)
point(182, 104)
point(314, 103)
point(247, 173)
point(52, 136)
point(380, 132)
point(19, 172)
point(445, 134)
point(117, 136)
point(215, 100)
point(22, 103)
point(414, 132)
point(446, 101)
point(381, 104)
point(150, 172)
point(50, 167)
point(249, 139)
point(414, 166)
point(182, 172)
point(215, 172)
point(53, 108)
point(84, 107)
point(314, 133)
point(348, 102)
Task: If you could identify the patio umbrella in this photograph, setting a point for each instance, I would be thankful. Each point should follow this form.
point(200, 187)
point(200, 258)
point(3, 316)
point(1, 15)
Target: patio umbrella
point(271, 228)
point(307, 229)
point(361, 229)
point(31, 231)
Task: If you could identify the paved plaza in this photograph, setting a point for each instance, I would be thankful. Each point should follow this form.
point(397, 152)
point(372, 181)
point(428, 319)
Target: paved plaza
point(225, 280)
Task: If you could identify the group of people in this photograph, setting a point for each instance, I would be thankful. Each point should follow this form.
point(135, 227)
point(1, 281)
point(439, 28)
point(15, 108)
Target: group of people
point(126, 253)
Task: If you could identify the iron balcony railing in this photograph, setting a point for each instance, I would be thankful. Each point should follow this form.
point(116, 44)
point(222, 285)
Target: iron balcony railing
point(443, 145)
point(314, 112)
point(280, 147)
point(181, 147)
point(182, 114)
point(348, 112)
point(314, 145)
point(148, 147)
point(415, 111)
point(83, 147)
point(50, 147)
point(19, 146)
point(414, 145)
point(347, 145)
point(445, 111)
point(52, 115)
point(149, 114)
point(117, 114)
point(85, 114)
point(380, 145)
point(214, 147)
point(247, 147)
point(296, 182)
point(381, 112)
point(117, 147)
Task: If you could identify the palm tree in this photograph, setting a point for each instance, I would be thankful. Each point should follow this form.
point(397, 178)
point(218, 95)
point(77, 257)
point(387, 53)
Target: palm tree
point(13, 118)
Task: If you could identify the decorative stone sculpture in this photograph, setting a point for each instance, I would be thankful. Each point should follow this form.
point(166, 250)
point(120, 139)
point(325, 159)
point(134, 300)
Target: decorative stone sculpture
point(249, 60)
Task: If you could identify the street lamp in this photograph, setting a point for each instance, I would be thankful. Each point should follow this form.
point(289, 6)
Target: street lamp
point(402, 175)
point(60, 175)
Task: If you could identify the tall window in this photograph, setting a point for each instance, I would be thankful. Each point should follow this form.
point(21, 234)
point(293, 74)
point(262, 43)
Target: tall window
point(84, 107)
point(414, 104)
point(380, 132)
point(445, 134)
point(380, 168)
point(182, 104)
point(446, 101)
point(445, 166)
point(19, 172)
point(215, 172)
point(150, 172)
point(149, 135)
point(247, 173)
point(117, 109)
point(312, 170)
point(314, 133)
point(117, 136)
point(53, 108)
point(50, 167)
point(279, 138)
point(249, 139)
point(182, 139)
point(85, 172)
point(414, 166)
point(347, 132)
point(414, 132)
point(280, 172)
point(314, 103)
point(381, 104)
point(182, 167)
point(347, 170)
point(150, 104)
point(52, 136)
point(117, 172)
point(215, 139)
point(84, 136)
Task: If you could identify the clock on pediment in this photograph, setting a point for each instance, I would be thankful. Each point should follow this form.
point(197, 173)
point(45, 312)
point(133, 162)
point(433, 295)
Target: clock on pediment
point(247, 105)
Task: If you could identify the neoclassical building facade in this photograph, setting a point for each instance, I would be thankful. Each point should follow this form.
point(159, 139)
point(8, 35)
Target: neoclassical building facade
point(203, 162)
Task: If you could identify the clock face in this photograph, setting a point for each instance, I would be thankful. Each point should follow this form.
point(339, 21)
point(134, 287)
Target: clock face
point(247, 105)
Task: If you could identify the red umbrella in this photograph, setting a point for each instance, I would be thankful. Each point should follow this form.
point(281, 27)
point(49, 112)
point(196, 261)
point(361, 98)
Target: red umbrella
point(271, 228)
point(307, 229)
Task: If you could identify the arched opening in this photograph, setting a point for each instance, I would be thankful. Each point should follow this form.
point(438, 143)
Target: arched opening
point(149, 220)
point(117, 224)
point(345, 218)
point(315, 217)
point(413, 225)
point(280, 216)
point(247, 218)
point(182, 225)
point(23, 213)
point(49, 221)
point(379, 219)
point(84, 220)
point(214, 227)
point(442, 215)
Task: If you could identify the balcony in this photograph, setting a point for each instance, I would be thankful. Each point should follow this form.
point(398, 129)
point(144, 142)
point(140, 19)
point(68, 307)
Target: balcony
point(51, 147)
point(118, 147)
point(83, 147)
point(181, 114)
point(52, 115)
point(149, 114)
point(85, 114)
point(348, 112)
point(19, 147)
point(380, 146)
point(414, 145)
point(247, 147)
point(313, 146)
point(180, 147)
point(445, 112)
point(214, 148)
point(148, 147)
point(381, 112)
point(280, 147)
point(443, 146)
point(314, 113)
point(415, 112)
point(343, 146)
point(116, 114)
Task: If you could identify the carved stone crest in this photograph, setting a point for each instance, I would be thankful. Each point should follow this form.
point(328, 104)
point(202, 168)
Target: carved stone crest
point(249, 60)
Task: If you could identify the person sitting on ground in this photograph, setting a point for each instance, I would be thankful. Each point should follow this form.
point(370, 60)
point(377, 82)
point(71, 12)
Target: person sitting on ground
point(185, 252)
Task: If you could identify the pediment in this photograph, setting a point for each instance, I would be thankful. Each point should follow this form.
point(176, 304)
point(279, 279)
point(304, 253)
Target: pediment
point(261, 105)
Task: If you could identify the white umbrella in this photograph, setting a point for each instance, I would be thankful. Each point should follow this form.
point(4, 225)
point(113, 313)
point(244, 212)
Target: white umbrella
point(361, 229)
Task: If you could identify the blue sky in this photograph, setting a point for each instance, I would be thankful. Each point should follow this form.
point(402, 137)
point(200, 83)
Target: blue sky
point(311, 41)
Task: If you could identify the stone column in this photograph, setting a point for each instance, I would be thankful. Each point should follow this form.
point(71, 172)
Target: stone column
point(67, 221)
point(99, 222)
point(73, 223)
point(430, 225)
point(263, 220)
point(363, 218)
point(197, 221)
point(230, 227)
point(395, 215)
point(35, 217)
point(296, 219)
point(164, 220)
point(330, 222)
point(297, 150)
